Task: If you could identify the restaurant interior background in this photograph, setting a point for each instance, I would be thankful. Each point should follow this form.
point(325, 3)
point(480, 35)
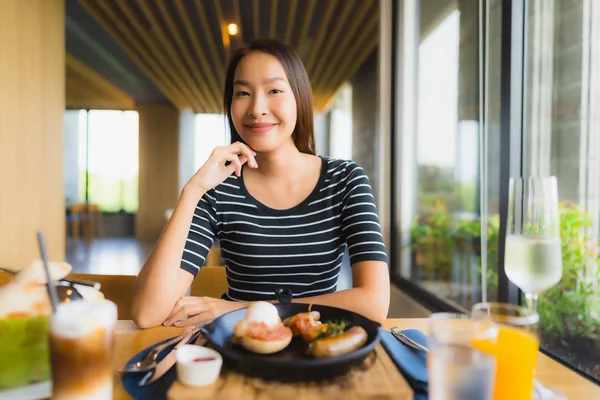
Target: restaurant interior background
point(440, 101)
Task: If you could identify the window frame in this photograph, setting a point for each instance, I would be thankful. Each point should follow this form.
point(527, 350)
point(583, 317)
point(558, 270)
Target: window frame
point(512, 144)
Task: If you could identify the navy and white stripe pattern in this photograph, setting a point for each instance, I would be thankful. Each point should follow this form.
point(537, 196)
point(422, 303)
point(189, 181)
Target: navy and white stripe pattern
point(300, 248)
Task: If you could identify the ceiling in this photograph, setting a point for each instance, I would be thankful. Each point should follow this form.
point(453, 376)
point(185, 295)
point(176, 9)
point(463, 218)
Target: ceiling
point(85, 88)
point(176, 50)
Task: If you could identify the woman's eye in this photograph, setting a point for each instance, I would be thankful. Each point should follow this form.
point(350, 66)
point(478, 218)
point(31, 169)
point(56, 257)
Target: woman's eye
point(275, 91)
point(240, 94)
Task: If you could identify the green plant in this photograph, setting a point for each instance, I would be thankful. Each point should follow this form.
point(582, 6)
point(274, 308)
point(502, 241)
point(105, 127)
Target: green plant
point(571, 309)
point(471, 230)
point(435, 239)
point(434, 222)
point(465, 196)
point(431, 241)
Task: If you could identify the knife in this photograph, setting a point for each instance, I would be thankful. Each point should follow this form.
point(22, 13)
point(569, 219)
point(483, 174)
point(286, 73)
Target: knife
point(398, 334)
point(170, 359)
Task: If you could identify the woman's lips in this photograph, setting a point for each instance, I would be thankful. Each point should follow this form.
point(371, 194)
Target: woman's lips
point(260, 128)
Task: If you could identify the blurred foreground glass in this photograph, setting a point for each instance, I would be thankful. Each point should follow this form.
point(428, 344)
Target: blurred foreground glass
point(82, 349)
point(454, 328)
point(458, 372)
point(515, 349)
point(533, 259)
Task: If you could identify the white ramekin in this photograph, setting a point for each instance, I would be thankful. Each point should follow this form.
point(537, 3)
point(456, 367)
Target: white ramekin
point(194, 373)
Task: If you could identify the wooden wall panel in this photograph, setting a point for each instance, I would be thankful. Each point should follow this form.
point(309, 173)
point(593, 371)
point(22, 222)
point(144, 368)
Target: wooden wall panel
point(32, 102)
point(159, 161)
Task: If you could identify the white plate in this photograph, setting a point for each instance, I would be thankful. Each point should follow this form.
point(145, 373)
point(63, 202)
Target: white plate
point(35, 391)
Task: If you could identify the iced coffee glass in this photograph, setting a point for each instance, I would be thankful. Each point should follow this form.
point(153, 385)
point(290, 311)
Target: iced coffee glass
point(82, 350)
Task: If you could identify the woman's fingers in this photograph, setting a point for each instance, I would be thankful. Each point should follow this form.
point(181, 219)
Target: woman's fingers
point(199, 310)
point(174, 317)
point(203, 318)
point(214, 171)
point(186, 306)
point(238, 169)
point(236, 164)
point(241, 148)
point(243, 159)
point(181, 303)
point(174, 313)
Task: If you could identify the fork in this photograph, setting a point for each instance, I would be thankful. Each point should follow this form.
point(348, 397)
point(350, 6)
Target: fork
point(149, 361)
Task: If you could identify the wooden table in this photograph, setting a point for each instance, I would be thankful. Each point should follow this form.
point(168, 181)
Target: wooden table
point(130, 340)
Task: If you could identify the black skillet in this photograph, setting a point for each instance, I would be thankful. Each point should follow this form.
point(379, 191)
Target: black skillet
point(292, 363)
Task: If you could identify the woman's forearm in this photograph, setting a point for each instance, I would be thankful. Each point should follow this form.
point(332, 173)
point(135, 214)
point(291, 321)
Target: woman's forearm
point(160, 281)
point(359, 300)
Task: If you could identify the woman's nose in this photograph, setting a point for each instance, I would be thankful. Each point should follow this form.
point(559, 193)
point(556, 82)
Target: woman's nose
point(258, 106)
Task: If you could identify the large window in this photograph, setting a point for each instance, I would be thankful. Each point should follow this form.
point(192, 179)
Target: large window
point(447, 254)
point(340, 138)
point(562, 138)
point(102, 147)
point(211, 130)
point(488, 90)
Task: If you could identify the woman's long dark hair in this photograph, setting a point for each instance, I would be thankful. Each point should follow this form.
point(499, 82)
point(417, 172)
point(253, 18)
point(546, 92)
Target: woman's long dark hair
point(303, 134)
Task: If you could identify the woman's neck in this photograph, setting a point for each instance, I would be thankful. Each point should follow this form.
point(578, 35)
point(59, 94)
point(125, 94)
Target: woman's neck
point(279, 163)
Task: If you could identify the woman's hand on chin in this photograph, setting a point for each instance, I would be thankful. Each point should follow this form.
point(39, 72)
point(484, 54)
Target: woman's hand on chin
point(223, 161)
point(200, 310)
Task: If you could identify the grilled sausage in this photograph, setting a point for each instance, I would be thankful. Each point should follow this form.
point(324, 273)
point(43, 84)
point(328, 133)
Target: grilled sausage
point(331, 346)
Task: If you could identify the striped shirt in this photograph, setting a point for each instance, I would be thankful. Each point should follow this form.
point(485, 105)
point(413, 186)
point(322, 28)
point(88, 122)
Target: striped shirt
point(300, 248)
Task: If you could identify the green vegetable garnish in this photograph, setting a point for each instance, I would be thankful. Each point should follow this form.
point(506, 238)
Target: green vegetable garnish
point(333, 328)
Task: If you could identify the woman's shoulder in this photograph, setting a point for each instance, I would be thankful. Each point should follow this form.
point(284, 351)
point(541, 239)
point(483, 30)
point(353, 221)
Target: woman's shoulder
point(341, 169)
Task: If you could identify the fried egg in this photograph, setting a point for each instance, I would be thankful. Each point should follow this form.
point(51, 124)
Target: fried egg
point(262, 311)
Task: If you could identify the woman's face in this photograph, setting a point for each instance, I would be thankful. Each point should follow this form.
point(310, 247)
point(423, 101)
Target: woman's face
point(263, 107)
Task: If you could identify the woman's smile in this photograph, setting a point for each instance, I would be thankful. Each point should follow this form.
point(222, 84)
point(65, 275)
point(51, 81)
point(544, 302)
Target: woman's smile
point(260, 127)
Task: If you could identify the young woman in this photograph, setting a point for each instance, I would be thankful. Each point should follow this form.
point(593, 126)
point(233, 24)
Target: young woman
point(282, 215)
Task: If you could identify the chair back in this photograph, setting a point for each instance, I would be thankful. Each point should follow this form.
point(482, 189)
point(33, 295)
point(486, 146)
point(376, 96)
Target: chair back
point(117, 288)
point(5, 277)
point(213, 258)
point(95, 220)
point(210, 282)
point(78, 208)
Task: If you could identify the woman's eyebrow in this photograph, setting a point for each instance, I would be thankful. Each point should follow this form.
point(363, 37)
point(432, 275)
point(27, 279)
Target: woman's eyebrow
point(242, 82)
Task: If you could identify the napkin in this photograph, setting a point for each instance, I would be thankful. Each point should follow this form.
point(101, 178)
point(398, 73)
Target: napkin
point(411, 363)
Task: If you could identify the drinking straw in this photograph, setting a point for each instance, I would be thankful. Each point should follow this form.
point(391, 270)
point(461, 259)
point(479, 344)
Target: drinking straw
point(50, 285)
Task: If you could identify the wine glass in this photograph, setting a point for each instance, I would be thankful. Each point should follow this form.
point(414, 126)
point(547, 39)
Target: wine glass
point(532, 255)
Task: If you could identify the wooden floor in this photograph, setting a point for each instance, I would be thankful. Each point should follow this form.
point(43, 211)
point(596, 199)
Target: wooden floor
point(109, 256)
point(125, 256)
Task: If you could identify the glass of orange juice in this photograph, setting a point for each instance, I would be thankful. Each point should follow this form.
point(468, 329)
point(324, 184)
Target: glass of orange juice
point(515, 347)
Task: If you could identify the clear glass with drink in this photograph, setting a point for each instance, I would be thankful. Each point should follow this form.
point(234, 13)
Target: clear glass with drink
point(454, 328)
point(458, 371)
point(515, 347)
point(82, 350)
point(533, 257)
